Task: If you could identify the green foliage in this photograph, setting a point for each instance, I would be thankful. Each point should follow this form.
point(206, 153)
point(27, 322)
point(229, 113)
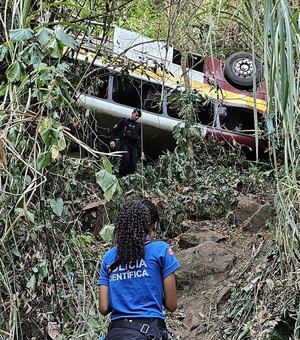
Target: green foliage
point(32, 55)
point(107, 233)
point(65, 39)
point(181, 134)
point(16, 71)
point(54, 141)
point(27, 54)
point(43, 246)
point(40, 272)
point(31, 283)
point(22, 34)
point(145, 16)
point(82, 240)
point(211, 194)
point(44, 35)
point(3, 51)
point(266, 319)
point(35, 105)
point(24, 212)
point(57, 206)
point(107, 181)
point(107, 164)
point(282, 49)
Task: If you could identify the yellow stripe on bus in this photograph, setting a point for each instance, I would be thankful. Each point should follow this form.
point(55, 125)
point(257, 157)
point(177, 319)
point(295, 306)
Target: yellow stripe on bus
point(168, 79)
point(208, 90)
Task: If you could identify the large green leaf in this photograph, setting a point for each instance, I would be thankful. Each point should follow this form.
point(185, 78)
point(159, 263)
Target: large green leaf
point(3, 88)
point(52, 136)
point(32, 54)
point(42, 269)
point(107, 232)
point(109, 184)
point(40, 66)
point(3, 51)
point(31, 283)
point(15, 71)
point(107, 164)
point(45, 124)
point(44, 35)
point(55, 48)
point(49, 136)
point(57, 206)
point(63, 67)
point(65, 39)
point(16, 252)
point(21, 34)
point(44, 159)
point(61, 142)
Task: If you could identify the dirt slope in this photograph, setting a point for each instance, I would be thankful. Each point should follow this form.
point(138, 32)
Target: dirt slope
point(213, 256)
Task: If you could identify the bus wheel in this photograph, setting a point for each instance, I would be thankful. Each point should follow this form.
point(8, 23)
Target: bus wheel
point(239, 70)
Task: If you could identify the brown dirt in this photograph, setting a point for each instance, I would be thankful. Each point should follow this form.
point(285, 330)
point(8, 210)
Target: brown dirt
point(202, 303)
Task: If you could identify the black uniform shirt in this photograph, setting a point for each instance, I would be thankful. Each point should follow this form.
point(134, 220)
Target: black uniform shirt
point(128, 132)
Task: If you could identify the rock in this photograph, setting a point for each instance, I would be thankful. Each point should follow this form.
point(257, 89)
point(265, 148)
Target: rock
point(196, 320)
point(195, 227)
point(189, 240)
point(246, 207)
point(198, 262)
point(259, 219)
point(223, 295)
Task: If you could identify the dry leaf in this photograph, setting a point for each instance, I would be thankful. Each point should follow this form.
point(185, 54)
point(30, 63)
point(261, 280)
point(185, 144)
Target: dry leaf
point(270, 284)
point(53, 330)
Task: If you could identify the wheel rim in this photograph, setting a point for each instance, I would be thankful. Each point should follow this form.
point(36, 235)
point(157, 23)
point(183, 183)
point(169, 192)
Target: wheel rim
point(243, 68)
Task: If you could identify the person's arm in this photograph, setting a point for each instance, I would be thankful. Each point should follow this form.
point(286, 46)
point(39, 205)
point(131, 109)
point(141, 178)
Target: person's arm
point(170, 294)
point(116, 133)
point(104, 306)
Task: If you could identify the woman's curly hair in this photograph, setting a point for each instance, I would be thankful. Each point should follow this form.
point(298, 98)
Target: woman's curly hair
point(152, 210)
point(132, 226)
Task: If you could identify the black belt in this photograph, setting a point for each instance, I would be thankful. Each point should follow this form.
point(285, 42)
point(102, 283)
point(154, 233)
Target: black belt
point(142, 325)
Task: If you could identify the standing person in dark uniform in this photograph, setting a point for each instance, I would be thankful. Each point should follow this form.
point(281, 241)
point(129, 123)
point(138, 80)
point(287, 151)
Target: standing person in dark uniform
point(137, 277)
point(128, 133)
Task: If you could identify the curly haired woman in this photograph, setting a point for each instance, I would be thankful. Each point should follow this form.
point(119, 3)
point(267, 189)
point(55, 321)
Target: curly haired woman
point(137, 277)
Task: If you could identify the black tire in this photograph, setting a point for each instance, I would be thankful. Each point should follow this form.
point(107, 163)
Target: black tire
point(239, 70)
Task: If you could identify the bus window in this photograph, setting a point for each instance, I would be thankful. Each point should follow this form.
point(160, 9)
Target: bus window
point(201, 108)
point(240, 119)
point(97, 83)
point(205, 113)
point(194, 61)
point(137, 93)
point(173, 103)
point(176, 57)
point(126, 91)
point(152, 97)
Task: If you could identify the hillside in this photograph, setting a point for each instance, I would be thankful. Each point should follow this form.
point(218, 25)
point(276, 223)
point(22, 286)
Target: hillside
point(230, 213)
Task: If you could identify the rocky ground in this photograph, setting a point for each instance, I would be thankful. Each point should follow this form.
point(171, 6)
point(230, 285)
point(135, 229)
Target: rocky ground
point(213, 255)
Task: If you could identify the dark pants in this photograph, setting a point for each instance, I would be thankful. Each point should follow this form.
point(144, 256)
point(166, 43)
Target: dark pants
point(122, 334)
point(129, 160)
point(156, 331)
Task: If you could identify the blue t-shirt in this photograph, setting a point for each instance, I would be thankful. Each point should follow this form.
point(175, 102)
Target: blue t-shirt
point(136, 289)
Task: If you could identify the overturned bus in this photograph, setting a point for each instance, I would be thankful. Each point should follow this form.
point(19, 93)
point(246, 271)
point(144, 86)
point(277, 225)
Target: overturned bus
point(139, 72)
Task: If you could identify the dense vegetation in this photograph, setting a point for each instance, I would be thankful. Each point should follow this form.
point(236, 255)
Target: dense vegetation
point(49, 250)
